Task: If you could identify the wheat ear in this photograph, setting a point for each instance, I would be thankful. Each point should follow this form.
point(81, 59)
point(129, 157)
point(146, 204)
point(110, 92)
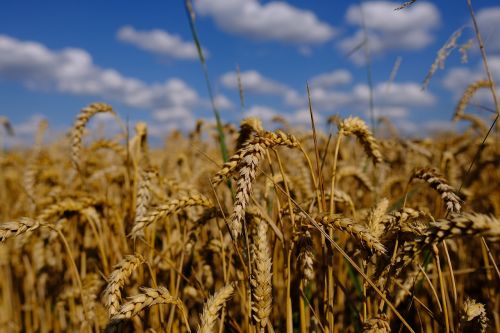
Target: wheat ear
point(467, 96)
point(306, 257)
point(357, 127)
point(16, 228)
point(211, 308)
point(458, 225)
point(440, 184)
point(168, 208)
point(262, 276)
point(5, 122)
point(140, 302)
point(377, 325)
point(117, 279)
point(81, 121)
point(356, 230)
point(248, 126)
point(473, 317)
point(252, 153)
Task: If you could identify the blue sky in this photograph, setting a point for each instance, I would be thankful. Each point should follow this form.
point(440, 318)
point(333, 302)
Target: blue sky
point(58, 56)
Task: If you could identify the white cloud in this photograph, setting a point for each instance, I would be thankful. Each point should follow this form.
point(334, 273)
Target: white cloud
point(265, 113)
point(73, 71)
point(398, 94)
point(391, 112)
point(457, 79)
point(274, 20)
point(409, 29)
point(176, 117)
point(404, 94)
point(223, 103)
point(489, 25)
point(253, 81)
point(330, 79)
point(159, 42)
point(24, 132)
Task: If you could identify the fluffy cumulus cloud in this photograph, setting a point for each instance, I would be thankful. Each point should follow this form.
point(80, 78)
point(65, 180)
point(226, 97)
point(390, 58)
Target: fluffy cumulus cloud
point(300, 118)
point(489, 25)
point(330, 79)
point(274, 20)
point(73, 71)
point(158, 42)
point(457, 79)
point(253, 81)
point(409, 29)
point(265, 113)
point(23, 131)
point(333, 91)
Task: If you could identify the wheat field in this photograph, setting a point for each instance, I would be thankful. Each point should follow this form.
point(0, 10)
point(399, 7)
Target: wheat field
point(299, 231)
point(254, 227)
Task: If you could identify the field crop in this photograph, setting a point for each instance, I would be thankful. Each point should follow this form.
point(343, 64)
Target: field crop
point(344, 230)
